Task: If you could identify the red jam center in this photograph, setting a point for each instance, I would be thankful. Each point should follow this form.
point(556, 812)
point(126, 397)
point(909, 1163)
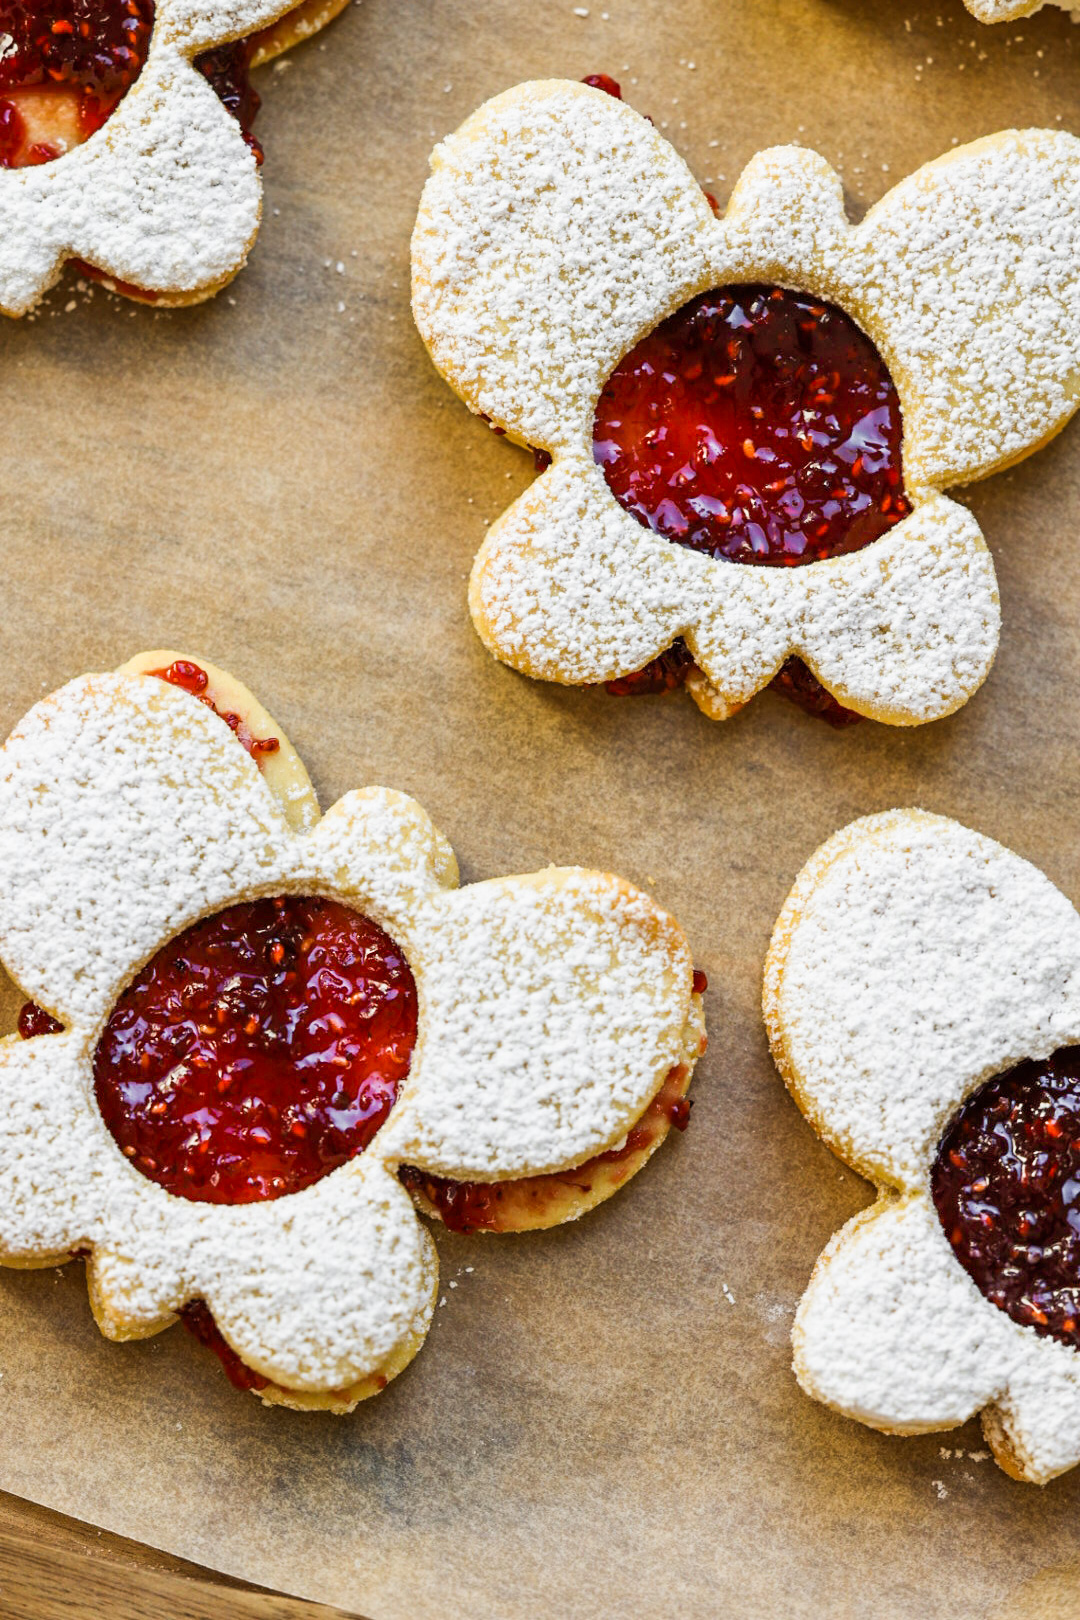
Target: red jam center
point(758, 425)
point(258, 1051)
point(89, 53)
point(1006, 1183)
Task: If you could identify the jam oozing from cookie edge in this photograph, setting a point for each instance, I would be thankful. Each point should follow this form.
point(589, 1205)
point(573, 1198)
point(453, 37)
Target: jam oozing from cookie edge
point(490, 1206)
point(200, 1323)
point(69, 63)
point(793, 680)
point(257, 1051)
point(192, 678)
point(1006, 1185)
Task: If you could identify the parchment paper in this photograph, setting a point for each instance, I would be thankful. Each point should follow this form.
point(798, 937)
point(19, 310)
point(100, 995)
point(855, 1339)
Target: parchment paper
point(603, 1421)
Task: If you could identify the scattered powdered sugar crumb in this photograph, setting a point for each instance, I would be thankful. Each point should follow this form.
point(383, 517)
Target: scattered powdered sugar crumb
point(940, 1489)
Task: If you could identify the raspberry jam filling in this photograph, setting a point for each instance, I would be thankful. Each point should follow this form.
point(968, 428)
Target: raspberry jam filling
point(66, 64)
point(258, 1050)
point(793, 680)
point(1006, 1184)
point(494, 1206)
point(759, 426)
point(193, 678)
point(199, 1322)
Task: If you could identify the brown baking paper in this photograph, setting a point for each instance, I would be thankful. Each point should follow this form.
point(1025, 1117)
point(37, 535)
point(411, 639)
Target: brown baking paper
point(604, 1421)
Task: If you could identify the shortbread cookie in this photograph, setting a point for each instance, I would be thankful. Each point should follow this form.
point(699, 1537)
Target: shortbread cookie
point(254, 1031)
point(712, 391)
point(130, 129)
point(922, 996)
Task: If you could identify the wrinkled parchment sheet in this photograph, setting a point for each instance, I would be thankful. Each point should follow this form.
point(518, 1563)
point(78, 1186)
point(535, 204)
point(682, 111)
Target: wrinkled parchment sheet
point(603, 1422)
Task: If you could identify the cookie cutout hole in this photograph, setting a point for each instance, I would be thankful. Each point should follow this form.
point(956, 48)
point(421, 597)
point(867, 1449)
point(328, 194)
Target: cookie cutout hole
point(756, 425)
point(258, 1051)
point(65, 66)
point(1006, 1186)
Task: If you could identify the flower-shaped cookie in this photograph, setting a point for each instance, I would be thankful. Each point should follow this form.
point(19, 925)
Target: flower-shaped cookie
point(559, 227)
point(163, 199)
point(547, 1013)
point(914, 971)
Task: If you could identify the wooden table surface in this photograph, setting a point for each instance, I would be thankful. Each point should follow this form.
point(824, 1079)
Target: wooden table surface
point(54, 1568)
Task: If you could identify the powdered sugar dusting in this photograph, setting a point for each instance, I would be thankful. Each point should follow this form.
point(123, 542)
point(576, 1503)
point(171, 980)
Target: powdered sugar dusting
point(551, 1009)
point(913, 960)
point(558, 228)
point(532, 1061)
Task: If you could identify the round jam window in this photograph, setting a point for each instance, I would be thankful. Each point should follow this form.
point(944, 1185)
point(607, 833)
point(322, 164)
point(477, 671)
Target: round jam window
point(757, 425)
point(1006, 1185)
point(258, 1050)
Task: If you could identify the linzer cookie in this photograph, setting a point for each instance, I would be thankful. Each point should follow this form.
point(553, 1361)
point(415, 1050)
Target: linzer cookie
point(922, 996)
point(130, 129)
point(258, 1040)
point(750, 419)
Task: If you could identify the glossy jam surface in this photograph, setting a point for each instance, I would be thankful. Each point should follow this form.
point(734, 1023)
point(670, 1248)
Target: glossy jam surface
point(604, 82)
point(491, 1206)
point(70, 62)
point(34, 1020)
point(258, 1050)
point(757, 425)
point(193, 678)
point(1006, 1184)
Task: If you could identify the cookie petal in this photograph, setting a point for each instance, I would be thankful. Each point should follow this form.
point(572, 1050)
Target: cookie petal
point(127, 811)
point(907, 629)
point(52, 1155)
point(378, 851)
point(529, 207)
point(786, 223)
point(913, 960)
point(552, 1007)
point(321, 1290)
point(973, 272)
point(194, 25)
point(891, 1331)
point(1034, 1428)
point(569, 587)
